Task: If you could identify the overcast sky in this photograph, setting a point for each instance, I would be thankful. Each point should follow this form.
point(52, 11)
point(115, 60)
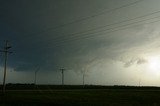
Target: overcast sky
point(112, 42)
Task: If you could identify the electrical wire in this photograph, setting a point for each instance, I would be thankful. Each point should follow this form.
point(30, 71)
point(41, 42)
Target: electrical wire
point(113, 30)
point(108, 25)
point(88, 35)
point(86, 18)
point(101, 27)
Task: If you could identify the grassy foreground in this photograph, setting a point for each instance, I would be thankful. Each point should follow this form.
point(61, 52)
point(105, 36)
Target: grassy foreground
point(29, 95)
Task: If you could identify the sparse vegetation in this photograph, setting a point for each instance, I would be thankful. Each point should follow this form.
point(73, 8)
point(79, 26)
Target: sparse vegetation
point(29, 94)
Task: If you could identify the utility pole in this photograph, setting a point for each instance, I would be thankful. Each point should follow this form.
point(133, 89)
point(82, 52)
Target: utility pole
point(62, 69)
point(83, 78)
point(35, 76)
point(6, 52)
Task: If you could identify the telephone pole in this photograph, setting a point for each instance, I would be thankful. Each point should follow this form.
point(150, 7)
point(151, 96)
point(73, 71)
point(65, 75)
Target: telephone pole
point(6, 52)
point(83, 78)
point(62, 69)
point(35, 76)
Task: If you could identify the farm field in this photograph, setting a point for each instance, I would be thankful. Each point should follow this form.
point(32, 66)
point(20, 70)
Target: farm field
point(81, 96)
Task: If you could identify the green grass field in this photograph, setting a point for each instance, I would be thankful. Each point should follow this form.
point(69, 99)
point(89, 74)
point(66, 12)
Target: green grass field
point(79, 96)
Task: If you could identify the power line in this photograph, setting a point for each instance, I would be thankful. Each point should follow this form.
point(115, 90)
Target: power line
point(88, 35)
point(89, 17)
point(150, 14)
point(78, 33)
point(92, 16)
point(108, 25)
point(112, 30)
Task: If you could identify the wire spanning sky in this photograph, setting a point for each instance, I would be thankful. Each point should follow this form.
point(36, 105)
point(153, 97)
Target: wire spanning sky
point(112, 42)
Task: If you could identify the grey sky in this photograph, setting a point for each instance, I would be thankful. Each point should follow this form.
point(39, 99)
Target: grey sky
point(103, 37)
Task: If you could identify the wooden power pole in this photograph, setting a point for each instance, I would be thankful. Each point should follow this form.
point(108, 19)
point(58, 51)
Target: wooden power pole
point(62, 69)
point(6, 52)
point(35, 76)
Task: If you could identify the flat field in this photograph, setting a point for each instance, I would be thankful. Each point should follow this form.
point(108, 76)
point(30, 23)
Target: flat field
point(80, 96)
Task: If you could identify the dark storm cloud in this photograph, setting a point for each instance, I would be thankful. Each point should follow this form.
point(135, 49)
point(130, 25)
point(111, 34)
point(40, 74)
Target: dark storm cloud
point(31, 28)
point(22, 21)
